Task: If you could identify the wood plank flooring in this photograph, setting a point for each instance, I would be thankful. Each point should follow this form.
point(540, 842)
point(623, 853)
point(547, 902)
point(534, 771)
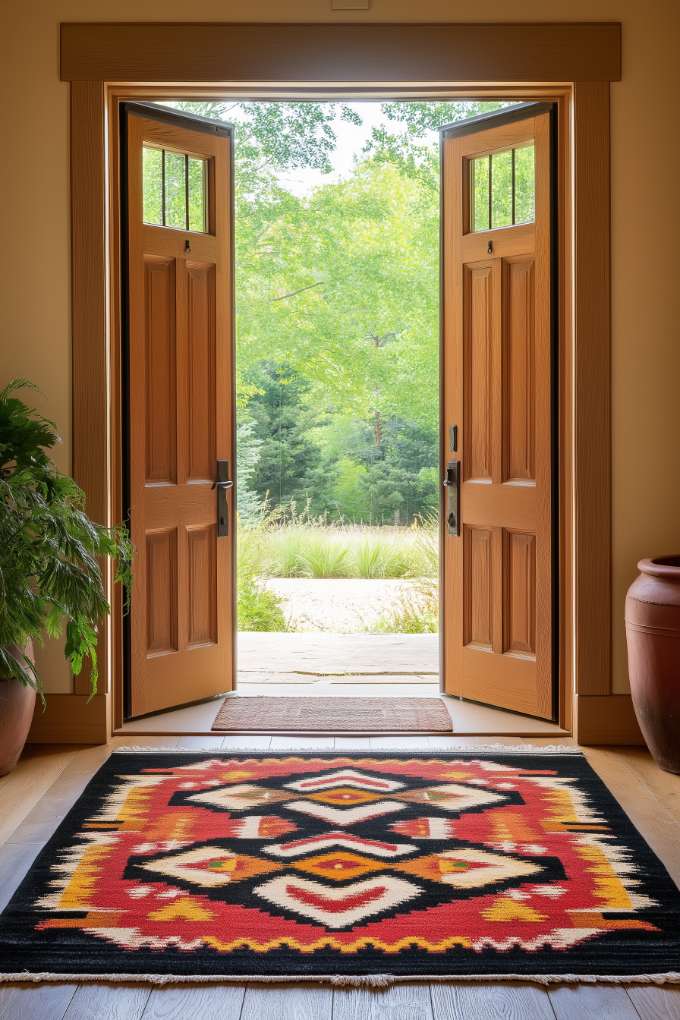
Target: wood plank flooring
point(469, 719)
point(35, 798)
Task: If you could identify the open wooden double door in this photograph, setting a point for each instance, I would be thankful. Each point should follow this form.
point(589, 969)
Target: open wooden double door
point(497, 435)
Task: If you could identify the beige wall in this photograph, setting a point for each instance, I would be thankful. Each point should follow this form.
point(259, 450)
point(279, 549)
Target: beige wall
point(34, 246)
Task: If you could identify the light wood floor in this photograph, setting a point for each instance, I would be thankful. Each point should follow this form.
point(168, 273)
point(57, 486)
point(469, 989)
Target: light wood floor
point(467, 717)
point(35, 797)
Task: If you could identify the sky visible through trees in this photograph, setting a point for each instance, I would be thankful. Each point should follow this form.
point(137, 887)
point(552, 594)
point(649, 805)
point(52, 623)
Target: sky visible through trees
point(337, 305)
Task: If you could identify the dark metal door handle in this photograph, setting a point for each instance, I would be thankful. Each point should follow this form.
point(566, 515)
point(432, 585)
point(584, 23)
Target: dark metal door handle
point(452, 485)
point(453, 438)
point(222, 484)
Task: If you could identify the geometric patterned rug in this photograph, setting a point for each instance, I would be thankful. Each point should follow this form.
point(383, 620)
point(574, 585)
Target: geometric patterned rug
point(347, 867)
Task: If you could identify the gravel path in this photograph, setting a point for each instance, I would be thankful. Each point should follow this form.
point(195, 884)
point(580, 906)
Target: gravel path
point(340, 605)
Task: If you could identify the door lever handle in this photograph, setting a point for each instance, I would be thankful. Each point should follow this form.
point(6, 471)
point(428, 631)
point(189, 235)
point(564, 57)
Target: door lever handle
point(451, 484)
point(222, 484)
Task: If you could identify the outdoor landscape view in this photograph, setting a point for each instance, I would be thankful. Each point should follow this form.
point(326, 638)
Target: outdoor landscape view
point(337, 304)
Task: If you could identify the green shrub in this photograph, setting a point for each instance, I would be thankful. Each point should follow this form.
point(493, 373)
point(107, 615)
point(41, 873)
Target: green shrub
point(416, 613)
point(376, 556)
point(324, 556)
point(296, 545)
point(258, 608)
point(284, 552)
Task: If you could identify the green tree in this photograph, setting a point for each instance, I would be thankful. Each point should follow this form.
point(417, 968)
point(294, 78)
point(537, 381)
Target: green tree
point(401, 477)
point(427, 116)
point(247, 454)
point(413, 144)
point(287, 458)
point(347, 293)
point(348, 499)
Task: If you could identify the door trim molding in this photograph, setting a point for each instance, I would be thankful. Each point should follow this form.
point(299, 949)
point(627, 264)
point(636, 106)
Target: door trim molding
point(88, 53)
point(375, 52)
point(72, 719)
point(606, 719)
point(592, 388)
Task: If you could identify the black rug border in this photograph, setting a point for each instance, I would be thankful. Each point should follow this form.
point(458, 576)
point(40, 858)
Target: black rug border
point(43, 959)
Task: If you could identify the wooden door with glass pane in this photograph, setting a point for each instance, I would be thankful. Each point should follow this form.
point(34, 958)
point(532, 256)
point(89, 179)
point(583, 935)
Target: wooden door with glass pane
point(497, 410)
point(177, 218)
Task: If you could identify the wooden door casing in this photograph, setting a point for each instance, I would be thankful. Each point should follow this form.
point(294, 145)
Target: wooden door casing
point(497, 591)
point(180, 422)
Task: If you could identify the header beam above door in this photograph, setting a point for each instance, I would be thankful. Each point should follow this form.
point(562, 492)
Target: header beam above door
point(341, 52)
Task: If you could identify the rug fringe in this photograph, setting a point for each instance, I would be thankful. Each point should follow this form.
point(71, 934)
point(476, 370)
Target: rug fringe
point(341, 752)
point(375, 982)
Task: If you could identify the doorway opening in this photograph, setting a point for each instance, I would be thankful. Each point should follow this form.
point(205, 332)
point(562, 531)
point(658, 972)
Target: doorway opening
point(337, 357)
point(339, 435)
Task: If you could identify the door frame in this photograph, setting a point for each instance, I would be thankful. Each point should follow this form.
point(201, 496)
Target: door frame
point(575, 64)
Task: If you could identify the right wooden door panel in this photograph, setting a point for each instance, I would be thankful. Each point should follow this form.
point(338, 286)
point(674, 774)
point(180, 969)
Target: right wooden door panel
point(497, 390)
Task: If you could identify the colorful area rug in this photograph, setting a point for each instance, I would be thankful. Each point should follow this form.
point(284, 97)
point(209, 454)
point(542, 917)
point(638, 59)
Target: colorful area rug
point(333, 715)
point(354, 868)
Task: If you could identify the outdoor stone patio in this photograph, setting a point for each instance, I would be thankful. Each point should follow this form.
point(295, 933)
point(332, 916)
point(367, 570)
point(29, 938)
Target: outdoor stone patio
point(340, 658)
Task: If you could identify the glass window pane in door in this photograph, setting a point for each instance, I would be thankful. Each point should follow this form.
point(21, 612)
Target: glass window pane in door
point(525, 185)
point(197, 186)
point(501, 189)
point(175, 190)
point(152, 185)
point(479, 193)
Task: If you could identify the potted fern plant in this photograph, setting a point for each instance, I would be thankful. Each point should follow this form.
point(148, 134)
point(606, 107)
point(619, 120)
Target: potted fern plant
point(49, 575)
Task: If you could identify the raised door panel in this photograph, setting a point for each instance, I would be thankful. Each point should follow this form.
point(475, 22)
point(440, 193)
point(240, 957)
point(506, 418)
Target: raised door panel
point(519, 370)
point(519, 593)
point(478, 587)
point(161, 592)
point(201, 370)
point(201, 601)
point(160, 347)
point(478, 370)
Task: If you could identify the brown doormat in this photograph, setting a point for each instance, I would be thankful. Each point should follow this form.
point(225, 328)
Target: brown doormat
point(334, 715)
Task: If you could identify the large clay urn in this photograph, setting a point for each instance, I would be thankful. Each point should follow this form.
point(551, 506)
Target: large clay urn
point(17, 702)
point(653, 635)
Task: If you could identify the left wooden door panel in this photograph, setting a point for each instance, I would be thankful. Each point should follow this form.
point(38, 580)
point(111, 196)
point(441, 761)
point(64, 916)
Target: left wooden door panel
point(180, 405)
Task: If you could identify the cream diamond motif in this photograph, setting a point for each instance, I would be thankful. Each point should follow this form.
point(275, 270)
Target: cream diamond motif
point(239, 797)
point(337, 907)
point(345, 816)
point(454, 797)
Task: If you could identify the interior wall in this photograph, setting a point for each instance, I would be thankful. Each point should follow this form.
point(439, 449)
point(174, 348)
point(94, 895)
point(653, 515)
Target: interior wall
point(34, 253)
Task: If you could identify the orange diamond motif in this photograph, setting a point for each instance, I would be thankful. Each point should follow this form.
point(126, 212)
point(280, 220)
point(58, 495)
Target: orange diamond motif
point(344, 796)
point(339, 865)
point(239, 867)
point(435, 867)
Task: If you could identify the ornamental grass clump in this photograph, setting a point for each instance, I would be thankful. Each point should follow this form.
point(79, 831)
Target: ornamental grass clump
point(50, 578)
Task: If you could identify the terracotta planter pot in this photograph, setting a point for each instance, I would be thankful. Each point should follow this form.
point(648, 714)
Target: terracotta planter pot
point(653, 635)
point(17, 703)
